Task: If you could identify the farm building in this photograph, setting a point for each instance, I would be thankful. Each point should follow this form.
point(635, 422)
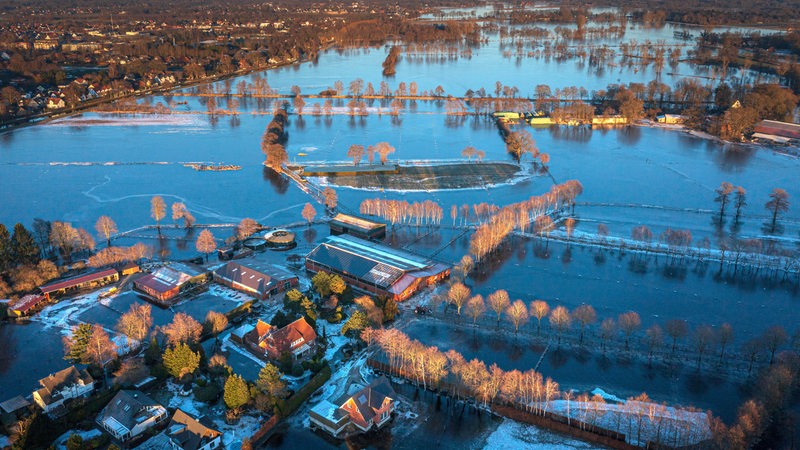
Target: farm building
point(256, 279)
point(24, 305)
point(80, 282)
point(773, 128)
point(169, 281)
point(357, 226)
point(375, 268)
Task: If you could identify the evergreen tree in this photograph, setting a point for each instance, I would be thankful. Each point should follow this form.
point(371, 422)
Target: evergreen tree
point(75, 345)
point(357, 322)
point(23, 246)
point(236, 392)
point(153, 353)
point(6, 254)
point(181, 360)
point(390, 310)
point(270, 382)
point(75, 442)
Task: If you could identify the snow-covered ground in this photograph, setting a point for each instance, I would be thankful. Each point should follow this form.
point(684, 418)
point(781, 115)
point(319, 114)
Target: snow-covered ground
point(64, 314)
point(60, 442)
point(227, 293)
point(512, 435)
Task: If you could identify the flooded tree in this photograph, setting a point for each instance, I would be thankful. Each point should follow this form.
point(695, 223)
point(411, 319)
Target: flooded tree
point(608, 328)
point(390, 61)
point(773, 338)
point(205, 243)
point(468, 152)
point(158, 210)
point(330, 199)
point(539, 309)
point(629, 323)
point(309, 213)
point(520, 142)
point(778, 203)
point(569, 227)
point(356, 152)
point(384, 150)
point(739, 202)
point(723, 338)
point(458, 294)
point(702, 339)
point(499, 301)
point(676, 329)
point(723, 194)
point(476, 307)
point(105, 228)
point(517, 313)
point(585, 315)
point(654, 338)
point(560, 320)
point(246, 227)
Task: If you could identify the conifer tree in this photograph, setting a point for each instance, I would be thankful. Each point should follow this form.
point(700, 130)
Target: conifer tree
point(23, 247)
point(236, 392)
point(181, 360)
point(269, 382)
point(6, 254)
point(75, 345)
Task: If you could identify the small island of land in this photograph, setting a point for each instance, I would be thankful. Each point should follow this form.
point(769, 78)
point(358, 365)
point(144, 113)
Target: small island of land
point(418, 176)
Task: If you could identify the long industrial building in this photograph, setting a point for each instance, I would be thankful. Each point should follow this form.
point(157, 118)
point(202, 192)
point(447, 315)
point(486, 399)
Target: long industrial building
point(375, 268)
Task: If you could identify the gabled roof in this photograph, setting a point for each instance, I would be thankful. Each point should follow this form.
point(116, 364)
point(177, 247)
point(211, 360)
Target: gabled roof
point(63, 378)
point(127, 407)
point(283, 338)
point(258, 277)
point(27, 302)
point(75, 281)
point(355, 222)
point(189, 433)
point(369, 400)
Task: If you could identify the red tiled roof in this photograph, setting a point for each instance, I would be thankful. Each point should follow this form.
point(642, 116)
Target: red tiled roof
point(155, 283)
point(282, 339)
point(74, 281)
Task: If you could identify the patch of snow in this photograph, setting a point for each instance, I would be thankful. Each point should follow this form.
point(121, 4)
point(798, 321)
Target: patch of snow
point(60, 315)
point(227, 293)
point(606, 396)
point(232, 435)
point(513, 435)
point(61, 441)
point(228, 345)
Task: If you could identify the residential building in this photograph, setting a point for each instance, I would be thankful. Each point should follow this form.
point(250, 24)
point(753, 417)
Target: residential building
point(129, 414)
point(187, 433)
point(61, 386)
point(256, 279)
point(81, 282)
point(357, 226)
point(297, 338)
point(370, 407)
point(375, 268)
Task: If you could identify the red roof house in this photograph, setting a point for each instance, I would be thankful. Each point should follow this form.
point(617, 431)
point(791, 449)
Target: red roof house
point(297, 338)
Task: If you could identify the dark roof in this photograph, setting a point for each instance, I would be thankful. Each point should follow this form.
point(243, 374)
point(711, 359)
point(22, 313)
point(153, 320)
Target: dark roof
point(371, 262)
point(75, 281)
point(371, 398)
point(189, 433)
point(14, 404)
point(257, 276)
point(156, 284)
point(126, 406)
point(355, 222)
point(67, 377)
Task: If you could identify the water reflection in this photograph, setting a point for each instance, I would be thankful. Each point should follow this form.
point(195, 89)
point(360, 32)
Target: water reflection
point(732, 157)
point(629, 135)
point(571, 133)
point(278, 181)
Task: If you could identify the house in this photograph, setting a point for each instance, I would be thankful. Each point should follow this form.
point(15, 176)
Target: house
point(375, 268)
point(24, 305)
point(370, 407)
point(167, 282)
point(129, 269)
point(297, 338)
point(357, 226)
point(670, 118)
point(55, 103)
point(61, 386)
point(129, 414)
point(187, 433)
point(256, 279)
point(90, 280)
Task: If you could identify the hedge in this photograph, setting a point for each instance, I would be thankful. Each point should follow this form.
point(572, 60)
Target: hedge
point(299, 397)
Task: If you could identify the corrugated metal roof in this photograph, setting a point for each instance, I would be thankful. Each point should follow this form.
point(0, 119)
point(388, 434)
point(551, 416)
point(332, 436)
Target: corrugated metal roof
point(74, 281)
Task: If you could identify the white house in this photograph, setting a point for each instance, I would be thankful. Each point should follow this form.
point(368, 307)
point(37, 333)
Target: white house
point(129, 414)
point(61, 386)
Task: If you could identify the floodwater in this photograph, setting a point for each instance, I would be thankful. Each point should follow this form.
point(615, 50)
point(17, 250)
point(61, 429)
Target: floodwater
point(76, 170)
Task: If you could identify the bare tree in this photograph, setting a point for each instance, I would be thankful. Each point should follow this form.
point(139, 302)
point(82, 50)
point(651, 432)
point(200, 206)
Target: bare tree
point(607, 330)
point(778, 203)
point(569, 227)
point(183, 329)
point(136, 323)
point(158, 210)
point(560, 320)
point(309, 213)
point(330, 198)
point(64, 237)
point(458, 294)
point(676, 329)
point(216, 322)
point(205, 243)
point(585, 315)
point(499, 301)
point(703, 337)
point(723, 194)
point(246, 228)
point(724, 337)
point(356, 152)
point(105, 228)
point(654, 337)
point(384, 150)
point(468, 152)
point(629, 322)
point(517, 313)
point(476, 307)
point(740, 201)
point(539, 309)
point(774, 338)
point(100, 350)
